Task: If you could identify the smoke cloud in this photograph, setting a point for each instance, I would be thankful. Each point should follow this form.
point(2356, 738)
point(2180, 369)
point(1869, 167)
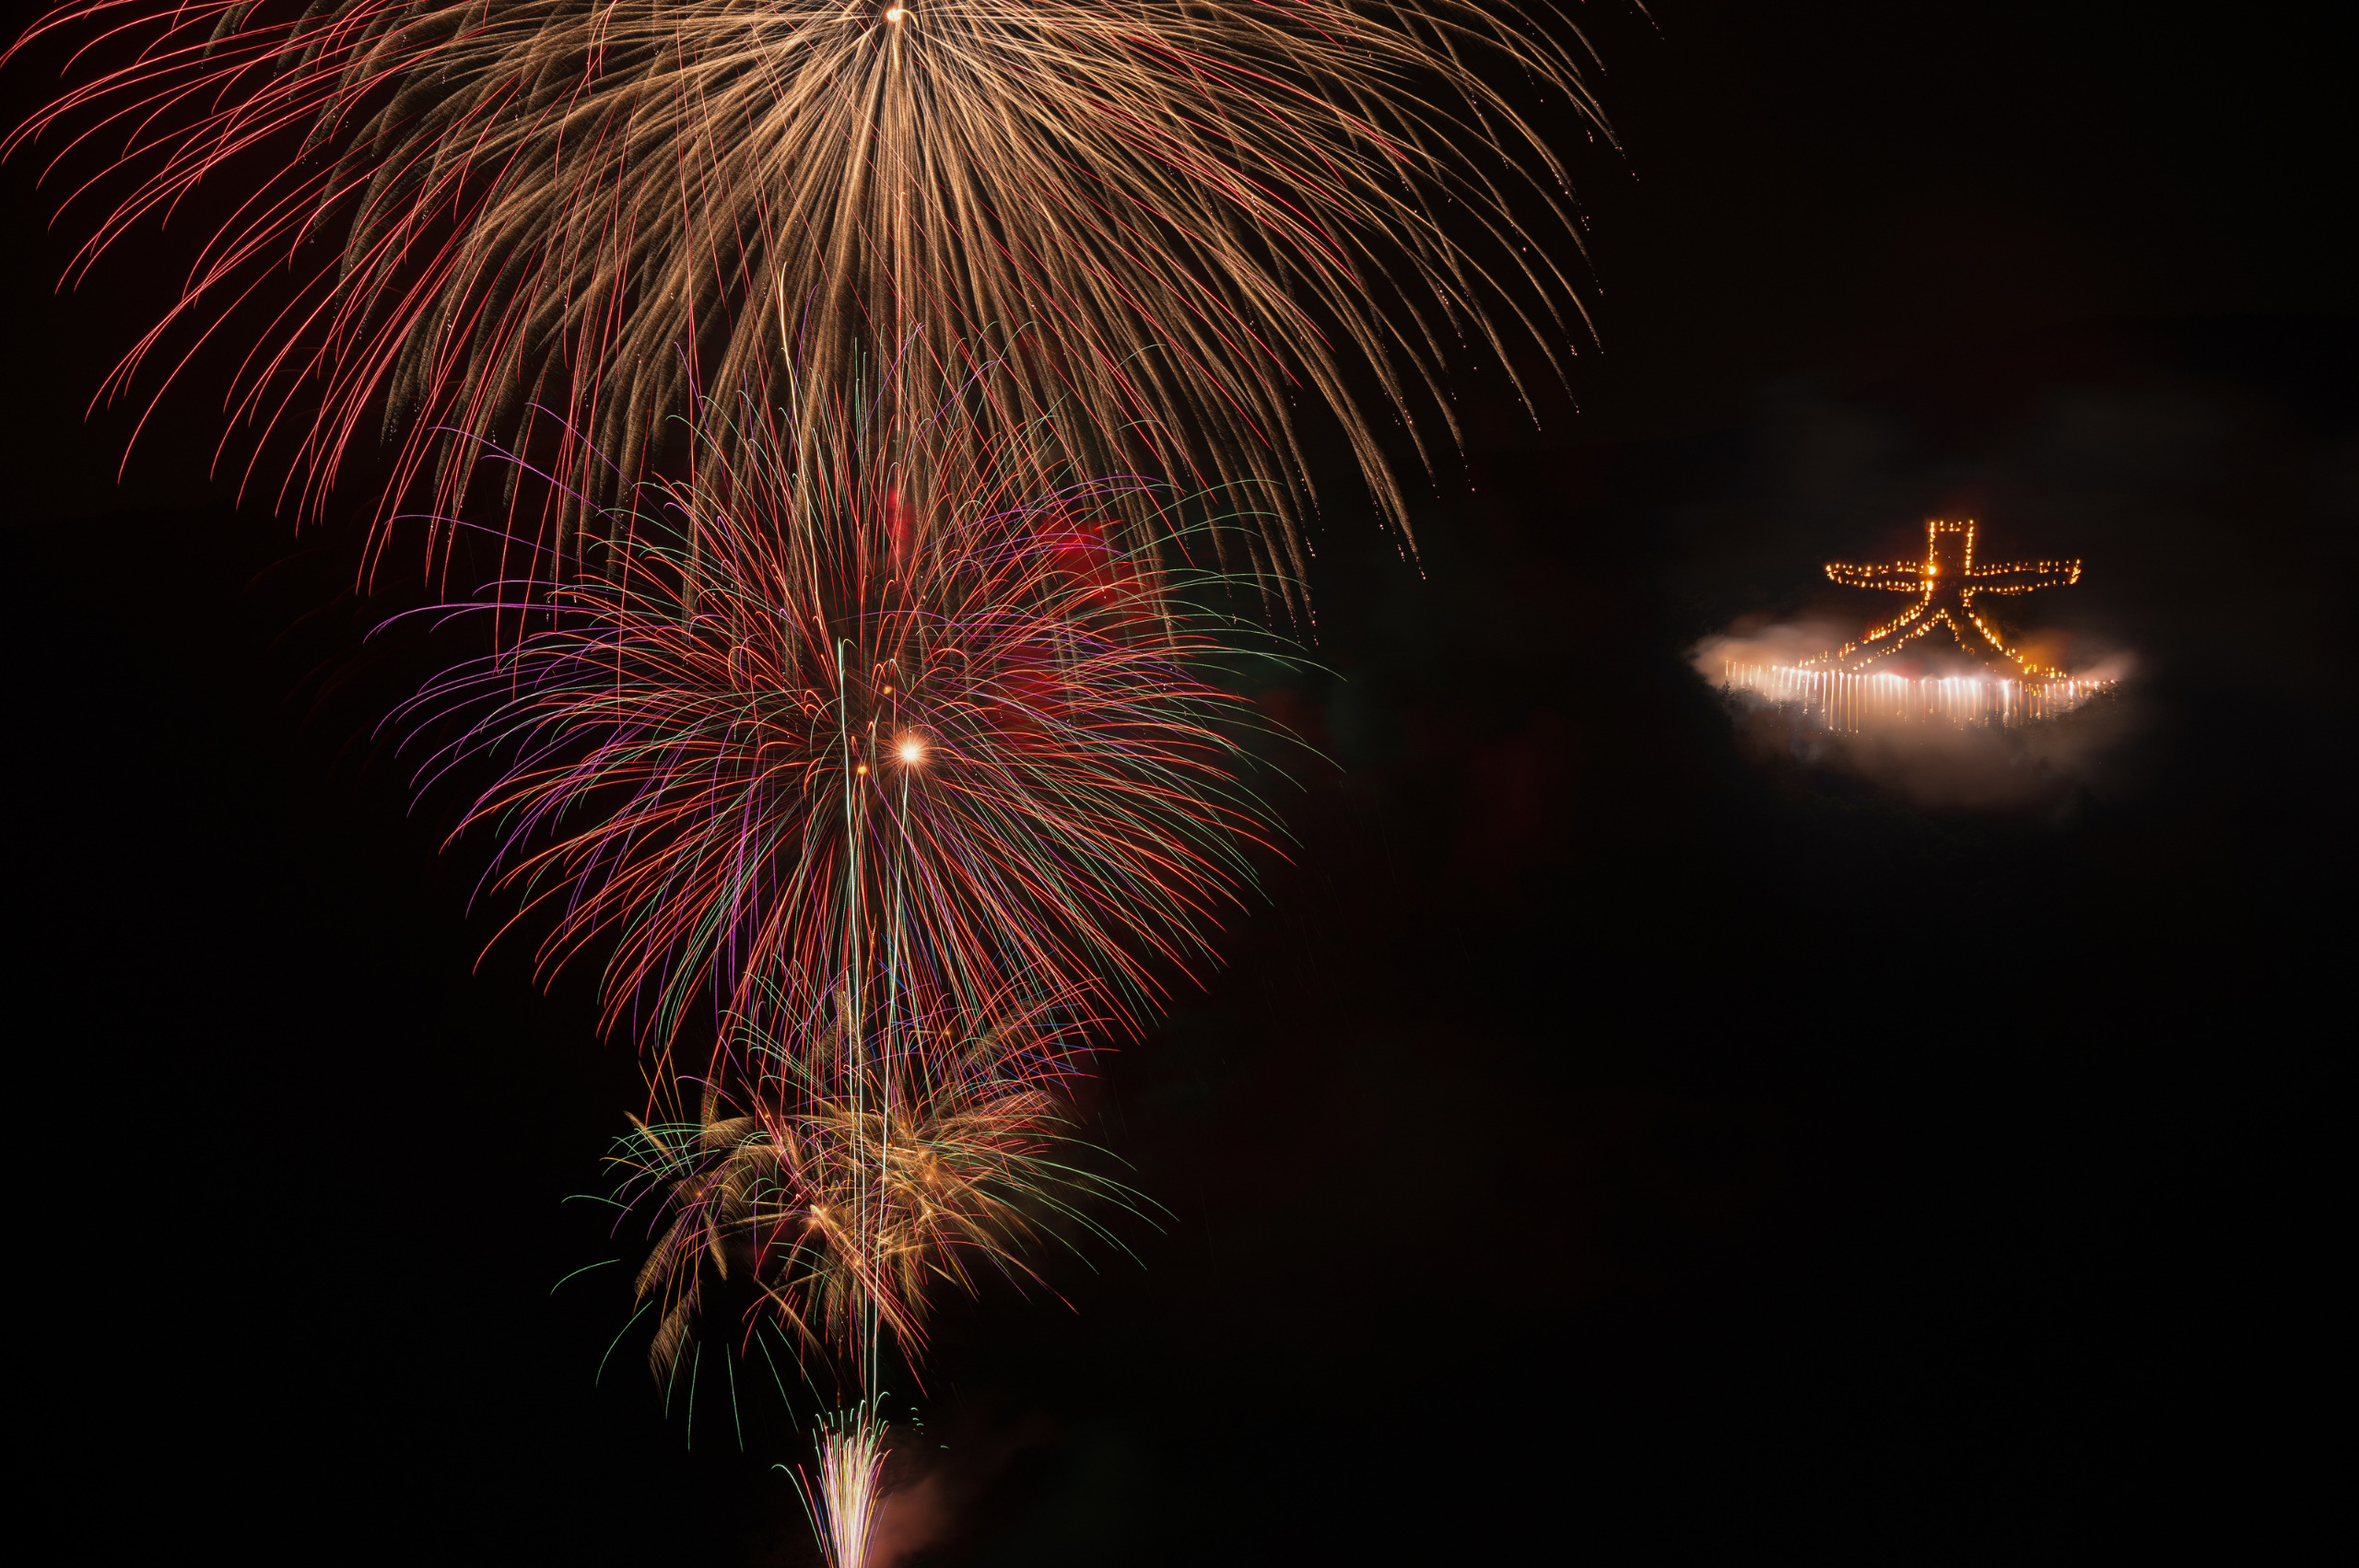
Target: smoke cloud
point(931, 1490)
point(1928, 763)
point(1756, 639)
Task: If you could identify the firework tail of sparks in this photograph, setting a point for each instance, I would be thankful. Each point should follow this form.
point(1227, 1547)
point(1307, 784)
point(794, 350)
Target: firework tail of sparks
point(784, 723)
point(842, 1498)
point(1172, 221)
point(1835, 700)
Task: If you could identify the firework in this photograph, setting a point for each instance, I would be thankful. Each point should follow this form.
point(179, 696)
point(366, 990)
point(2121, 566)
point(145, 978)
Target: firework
point(1161, 223)
point(842, 1501)
point(789, 728)
point(856, 1165)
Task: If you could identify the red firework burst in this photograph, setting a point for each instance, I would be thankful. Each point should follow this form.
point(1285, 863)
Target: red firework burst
point(790, 726)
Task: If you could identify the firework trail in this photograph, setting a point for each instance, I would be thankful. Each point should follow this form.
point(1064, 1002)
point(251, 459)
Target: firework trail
point(1164, 223)
point(842, 1501)
point(786, 729)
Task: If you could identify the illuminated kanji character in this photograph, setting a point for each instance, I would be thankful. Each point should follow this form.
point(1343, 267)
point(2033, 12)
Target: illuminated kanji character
point(1946, 583)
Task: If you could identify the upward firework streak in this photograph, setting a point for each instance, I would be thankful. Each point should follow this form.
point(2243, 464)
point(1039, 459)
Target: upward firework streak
point(1946, 582)
point(1154, 219)
point(843, 1502)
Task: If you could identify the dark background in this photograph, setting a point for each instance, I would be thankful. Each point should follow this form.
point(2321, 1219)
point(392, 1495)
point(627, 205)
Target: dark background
point(1626, 1129)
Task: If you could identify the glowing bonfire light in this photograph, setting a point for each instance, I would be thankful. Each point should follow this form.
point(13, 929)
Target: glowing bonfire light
point(1949, 585)
point(1849, 703)
point(1842, 690)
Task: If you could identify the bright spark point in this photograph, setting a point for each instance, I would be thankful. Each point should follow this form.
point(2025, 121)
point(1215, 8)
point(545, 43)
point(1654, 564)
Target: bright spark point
point(895, 15)
point(912, 751)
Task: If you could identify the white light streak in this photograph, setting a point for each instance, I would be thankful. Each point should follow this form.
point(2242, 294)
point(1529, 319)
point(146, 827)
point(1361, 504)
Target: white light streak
point(1851, 703)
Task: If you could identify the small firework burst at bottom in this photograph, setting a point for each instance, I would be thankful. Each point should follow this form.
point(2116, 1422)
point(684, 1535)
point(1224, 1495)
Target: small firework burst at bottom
point(846, 1169)
point(1834, 699)
point(843, 1498)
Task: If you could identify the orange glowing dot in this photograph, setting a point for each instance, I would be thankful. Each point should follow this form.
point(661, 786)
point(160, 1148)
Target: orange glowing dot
point(895, 15)
point(912, 751)
point(863, 768)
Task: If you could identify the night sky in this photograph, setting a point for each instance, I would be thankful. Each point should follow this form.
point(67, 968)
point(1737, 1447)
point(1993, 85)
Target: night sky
point(1623, 1129)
